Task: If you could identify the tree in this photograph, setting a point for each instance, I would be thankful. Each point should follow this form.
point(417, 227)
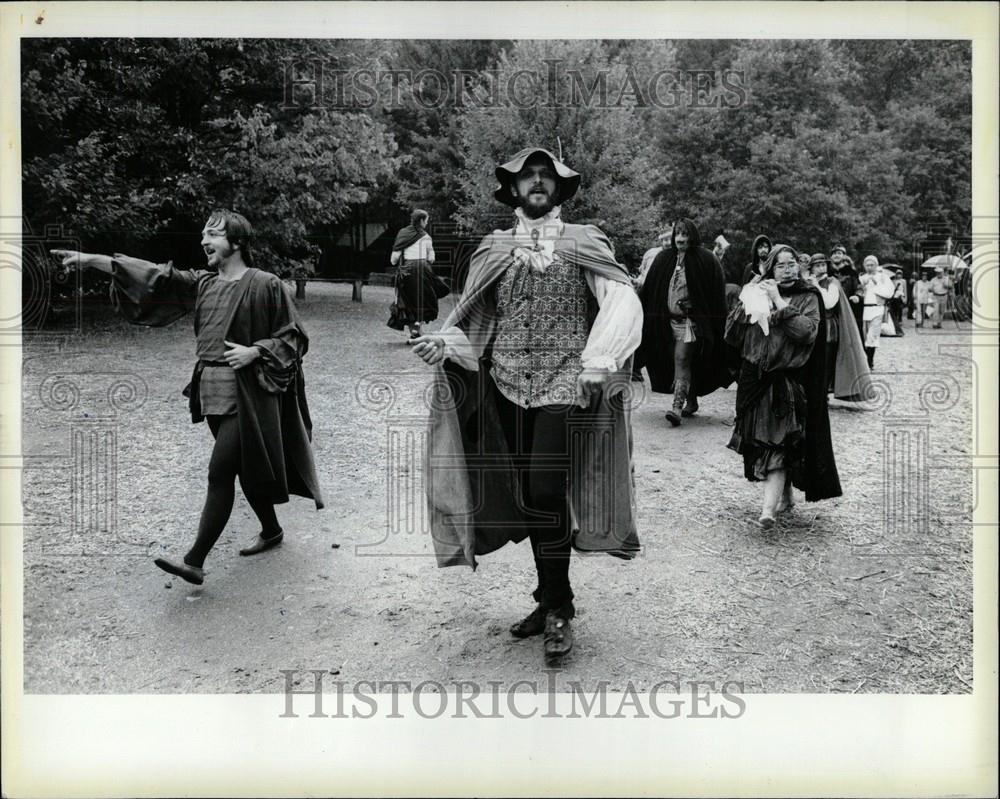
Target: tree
point(128, 141)
point(920, 93)
point(425, 122)
point(605, 144)
point(796, 159)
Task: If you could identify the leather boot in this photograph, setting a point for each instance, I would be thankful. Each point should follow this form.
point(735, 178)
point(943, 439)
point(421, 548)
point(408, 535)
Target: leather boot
point(680, 398)
point(558, 639)
point(532, 624)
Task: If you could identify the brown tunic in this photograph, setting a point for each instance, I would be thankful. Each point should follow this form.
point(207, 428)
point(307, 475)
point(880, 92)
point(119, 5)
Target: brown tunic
point(218, 383)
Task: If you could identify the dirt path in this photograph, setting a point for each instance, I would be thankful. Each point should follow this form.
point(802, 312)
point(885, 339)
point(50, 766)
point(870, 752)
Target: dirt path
point(837, 599)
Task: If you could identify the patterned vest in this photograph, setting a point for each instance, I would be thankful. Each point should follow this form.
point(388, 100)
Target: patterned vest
point(542, 328)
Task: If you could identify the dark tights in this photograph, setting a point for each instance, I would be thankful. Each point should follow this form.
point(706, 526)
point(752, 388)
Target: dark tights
point(538, 441)
point(223, 469)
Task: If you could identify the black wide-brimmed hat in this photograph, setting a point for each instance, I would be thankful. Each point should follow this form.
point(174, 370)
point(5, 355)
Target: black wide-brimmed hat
point(568, 180)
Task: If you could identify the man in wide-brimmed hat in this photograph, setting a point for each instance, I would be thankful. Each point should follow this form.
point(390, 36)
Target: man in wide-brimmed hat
point(530, 436)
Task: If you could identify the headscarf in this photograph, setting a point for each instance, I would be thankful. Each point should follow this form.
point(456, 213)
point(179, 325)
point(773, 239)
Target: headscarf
point(772, 258)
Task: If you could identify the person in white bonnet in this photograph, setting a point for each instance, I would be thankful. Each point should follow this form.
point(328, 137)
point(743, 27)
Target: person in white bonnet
point(875, 288)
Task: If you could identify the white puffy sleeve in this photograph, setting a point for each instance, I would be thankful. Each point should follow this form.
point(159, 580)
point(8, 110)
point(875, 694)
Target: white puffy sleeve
point(617, 330)
point(831, 294)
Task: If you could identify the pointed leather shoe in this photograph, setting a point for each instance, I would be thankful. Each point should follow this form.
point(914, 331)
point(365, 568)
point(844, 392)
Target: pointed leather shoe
point(261, 544)
point(190, 573)
point(532, 624)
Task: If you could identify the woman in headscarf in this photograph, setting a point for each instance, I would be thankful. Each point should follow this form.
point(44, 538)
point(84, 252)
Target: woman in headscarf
point(782, 427)
point(804, 270)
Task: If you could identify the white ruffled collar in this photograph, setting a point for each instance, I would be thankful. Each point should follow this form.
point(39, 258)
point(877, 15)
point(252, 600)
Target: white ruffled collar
point(548, 226)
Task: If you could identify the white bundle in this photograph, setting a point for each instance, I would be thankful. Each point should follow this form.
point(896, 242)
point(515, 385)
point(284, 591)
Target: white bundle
point(757, 306)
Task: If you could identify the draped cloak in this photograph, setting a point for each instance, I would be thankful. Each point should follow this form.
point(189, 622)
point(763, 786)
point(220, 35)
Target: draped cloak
point(852, 380)
point(820, 479)
point(473, 493)
point(275, 426)
point(706, 288)
point(407, 236)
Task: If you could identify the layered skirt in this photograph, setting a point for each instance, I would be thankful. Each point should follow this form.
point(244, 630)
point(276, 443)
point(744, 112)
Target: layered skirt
point(770, 421)
point(417, 293)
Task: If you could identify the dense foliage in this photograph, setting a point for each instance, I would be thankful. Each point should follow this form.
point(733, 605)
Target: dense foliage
point(129, 144)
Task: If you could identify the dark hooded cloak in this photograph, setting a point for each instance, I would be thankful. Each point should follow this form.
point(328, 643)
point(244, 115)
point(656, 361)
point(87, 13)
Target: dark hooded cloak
point(755, 265)
point(706, 286)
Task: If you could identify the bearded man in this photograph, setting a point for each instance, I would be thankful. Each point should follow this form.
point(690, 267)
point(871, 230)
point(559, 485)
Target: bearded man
point(684, 307)
point(247, 383)
point(529, 433)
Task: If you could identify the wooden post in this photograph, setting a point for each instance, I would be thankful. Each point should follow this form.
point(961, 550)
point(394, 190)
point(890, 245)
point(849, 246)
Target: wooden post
point(356, 292)
point(300, 289)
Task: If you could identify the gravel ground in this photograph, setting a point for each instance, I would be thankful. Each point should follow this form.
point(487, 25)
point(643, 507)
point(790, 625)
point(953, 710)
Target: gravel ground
point(844, 596)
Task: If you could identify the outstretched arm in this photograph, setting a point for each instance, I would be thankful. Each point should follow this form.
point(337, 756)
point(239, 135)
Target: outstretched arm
point(143, 292)
point(72, 259)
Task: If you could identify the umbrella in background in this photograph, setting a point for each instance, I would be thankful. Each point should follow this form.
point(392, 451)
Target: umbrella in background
point(959, 302)
point(946, 262)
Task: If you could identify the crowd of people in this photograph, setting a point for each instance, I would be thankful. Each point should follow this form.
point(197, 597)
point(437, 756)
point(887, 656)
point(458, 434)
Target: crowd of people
point(537, 356)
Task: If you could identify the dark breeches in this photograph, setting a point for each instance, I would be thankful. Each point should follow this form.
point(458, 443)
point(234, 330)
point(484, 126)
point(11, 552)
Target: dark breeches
point(539, 444)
